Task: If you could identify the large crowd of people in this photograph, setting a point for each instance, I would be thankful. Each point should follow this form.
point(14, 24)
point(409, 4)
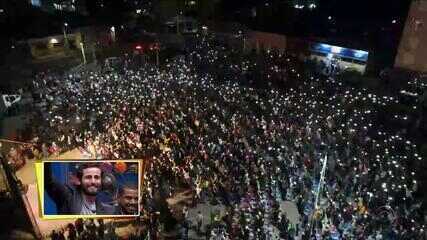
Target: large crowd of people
point(214, 121)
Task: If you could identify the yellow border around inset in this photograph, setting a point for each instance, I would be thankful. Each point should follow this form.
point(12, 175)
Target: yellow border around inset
point(39, 168)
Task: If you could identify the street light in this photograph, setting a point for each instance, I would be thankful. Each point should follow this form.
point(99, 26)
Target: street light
point(65, 29)
point(204, 30)
point(66, 45)
point(113, 33)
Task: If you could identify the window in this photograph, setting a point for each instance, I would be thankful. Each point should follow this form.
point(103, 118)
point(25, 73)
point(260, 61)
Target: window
point(36, 3)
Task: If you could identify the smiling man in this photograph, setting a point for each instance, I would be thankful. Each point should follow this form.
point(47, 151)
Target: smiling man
point(127, 200)
point(79, 200)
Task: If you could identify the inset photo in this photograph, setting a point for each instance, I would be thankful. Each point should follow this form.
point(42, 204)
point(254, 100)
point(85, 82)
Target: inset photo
point(90, 188)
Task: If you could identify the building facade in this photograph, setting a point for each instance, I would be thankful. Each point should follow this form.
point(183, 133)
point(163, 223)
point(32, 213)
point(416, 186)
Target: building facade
point(78, 6)
point(412, 52)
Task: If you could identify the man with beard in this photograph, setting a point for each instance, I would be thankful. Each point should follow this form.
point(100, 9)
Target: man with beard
point(127, 200)
point(79, 200)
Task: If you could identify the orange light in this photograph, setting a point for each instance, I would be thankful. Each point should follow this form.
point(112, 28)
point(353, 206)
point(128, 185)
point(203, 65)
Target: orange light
point(121, 166)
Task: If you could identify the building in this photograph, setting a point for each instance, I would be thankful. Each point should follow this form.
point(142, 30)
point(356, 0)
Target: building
point(266, 41)
point(54, 46)
point(186, 25)
point(412, 53)
point(78, 6)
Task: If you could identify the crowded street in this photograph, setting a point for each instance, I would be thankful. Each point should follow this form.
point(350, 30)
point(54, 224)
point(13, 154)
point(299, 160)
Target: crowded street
point(252, 136)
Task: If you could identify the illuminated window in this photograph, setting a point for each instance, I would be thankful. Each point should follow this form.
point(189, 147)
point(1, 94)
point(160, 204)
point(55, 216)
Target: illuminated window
point(305, 4)
point(36, 3)
point(57, 6)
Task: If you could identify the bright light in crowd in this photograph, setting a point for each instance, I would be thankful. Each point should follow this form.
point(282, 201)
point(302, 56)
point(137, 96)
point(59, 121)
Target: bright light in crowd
point(336, 49)
point(312, 6)
point(53, 40)
point(394, 21)
point(138, 47)
point(359, 53)
point(36, 3)
point(330, 18)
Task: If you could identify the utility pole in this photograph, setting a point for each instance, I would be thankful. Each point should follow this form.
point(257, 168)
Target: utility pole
point(157, 57)
point(156, 47)
point(94, 53)
point(321, 182)
point(83, 52)
point(66, 43)
point(177, 24)
point(318, 192)
point(113, 34)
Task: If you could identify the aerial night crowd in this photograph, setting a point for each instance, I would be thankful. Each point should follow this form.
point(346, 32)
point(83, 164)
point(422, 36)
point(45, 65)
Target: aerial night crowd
point(243, 131)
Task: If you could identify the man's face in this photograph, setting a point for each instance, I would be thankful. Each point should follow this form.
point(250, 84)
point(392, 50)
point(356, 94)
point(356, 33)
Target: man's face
point(91, 181)
point(129, 201)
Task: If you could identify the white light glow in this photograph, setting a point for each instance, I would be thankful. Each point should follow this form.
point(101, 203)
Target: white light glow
point(336, 49)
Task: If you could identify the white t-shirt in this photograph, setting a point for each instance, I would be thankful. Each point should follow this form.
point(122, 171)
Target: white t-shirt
point(88, 208)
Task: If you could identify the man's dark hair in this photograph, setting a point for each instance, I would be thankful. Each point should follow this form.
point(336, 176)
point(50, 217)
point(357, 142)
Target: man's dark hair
point(127, 186)
point(83, 166)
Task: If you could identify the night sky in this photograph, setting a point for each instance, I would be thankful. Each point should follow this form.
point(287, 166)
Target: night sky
point(375, 11)
point(360, 9)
